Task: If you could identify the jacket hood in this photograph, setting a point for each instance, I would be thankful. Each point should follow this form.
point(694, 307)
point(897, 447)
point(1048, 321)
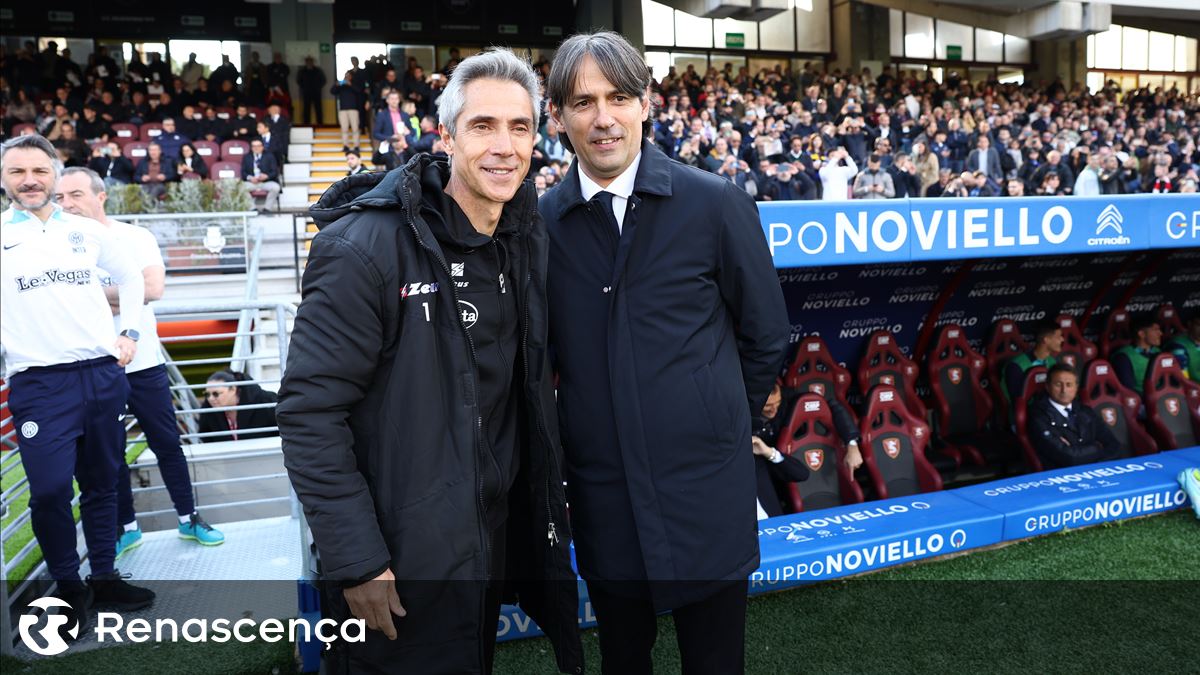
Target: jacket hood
point(372, 190)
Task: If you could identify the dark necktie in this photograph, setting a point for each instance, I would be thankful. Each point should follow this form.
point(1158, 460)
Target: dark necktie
point(604, 201)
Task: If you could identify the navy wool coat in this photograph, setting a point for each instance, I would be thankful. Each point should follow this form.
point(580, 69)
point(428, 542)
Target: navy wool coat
point(666, 340)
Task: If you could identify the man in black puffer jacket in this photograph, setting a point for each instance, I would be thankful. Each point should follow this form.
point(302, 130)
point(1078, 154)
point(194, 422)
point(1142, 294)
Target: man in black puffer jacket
point(417, 411)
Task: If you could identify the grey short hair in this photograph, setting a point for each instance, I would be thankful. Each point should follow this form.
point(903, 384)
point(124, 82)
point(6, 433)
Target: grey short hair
point(34, 142)
point(620, 63)
point(497, 63)
point(93, 177)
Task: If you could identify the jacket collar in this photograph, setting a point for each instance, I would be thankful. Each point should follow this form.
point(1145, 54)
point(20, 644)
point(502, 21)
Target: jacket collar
point(653, 177)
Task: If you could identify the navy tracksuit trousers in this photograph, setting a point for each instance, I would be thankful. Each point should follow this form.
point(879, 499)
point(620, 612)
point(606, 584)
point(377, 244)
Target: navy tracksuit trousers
point(68, 421)
point(150, 402)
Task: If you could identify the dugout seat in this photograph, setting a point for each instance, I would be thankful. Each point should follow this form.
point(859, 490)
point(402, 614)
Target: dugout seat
point(222, 170)
point(1006, 342)
point(1117, 406)
point(150, 131)
point(884, 363)
point(233, 151)
point(814, 370)
point(125, 131)
point(810, 434)
point(1169, 321)
point(210, 152)
point(135, 151)
point(1116, 332)
point(962, 407)
point(1035, 383)
point(1077, 351)
point(1172, 407)
point(893, 447)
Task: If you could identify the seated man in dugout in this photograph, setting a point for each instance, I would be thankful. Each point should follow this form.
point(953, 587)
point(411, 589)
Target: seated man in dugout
point(1066, 432)
point(772, 468)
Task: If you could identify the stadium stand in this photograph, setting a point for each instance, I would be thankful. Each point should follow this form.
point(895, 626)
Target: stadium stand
point(884, 363)
point(1116, 332)
point(1006, 342)
point(810, 433)
point(814, 370)
point(1169, 321)
point(1117, 406)
point(962, 407)
point(893, 447)
point(1035, 383)
point(1172, 407)
point(1077, 351)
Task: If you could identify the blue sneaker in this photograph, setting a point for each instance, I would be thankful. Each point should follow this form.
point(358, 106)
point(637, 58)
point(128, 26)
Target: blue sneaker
point(129, 539)
point(1189, 480)
point(201, 531)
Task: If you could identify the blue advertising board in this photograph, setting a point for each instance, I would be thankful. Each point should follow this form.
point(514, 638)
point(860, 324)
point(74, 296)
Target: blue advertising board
point(1050, 501)
point(803, 234)
point(846, 540)
point(1190, 455)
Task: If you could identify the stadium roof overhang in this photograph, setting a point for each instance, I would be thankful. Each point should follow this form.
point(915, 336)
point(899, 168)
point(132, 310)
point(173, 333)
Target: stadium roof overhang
point(1030, 19)
point(1057, 19)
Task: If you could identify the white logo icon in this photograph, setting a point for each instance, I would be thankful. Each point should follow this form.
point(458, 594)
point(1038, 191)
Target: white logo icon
point(958, 538)
point(49, 634)
point(1110, 217)
point(457, 269)
point(29, 429)
point(470, 314)
point(214, 241)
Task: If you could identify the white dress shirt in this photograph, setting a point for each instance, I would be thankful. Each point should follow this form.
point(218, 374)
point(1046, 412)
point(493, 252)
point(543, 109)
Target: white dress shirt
point(621, 188)
point(1062, 409)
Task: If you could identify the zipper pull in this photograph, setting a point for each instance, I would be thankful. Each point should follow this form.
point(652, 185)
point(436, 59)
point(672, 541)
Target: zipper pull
point(502, 291)
point(552, 534)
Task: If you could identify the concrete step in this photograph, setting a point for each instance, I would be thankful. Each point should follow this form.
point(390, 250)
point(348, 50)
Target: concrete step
point(278, 282)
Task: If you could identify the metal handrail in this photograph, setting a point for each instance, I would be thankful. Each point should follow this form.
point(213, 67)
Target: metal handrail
point(188, 409)
point(242, 346)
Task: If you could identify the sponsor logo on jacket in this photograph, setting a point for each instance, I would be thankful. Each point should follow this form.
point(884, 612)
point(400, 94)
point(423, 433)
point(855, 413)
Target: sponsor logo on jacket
point(417, 288)
point(80, 277)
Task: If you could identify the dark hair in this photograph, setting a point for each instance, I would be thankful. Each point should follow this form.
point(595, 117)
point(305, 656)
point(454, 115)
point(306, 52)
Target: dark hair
point(1044, 329)
point(874, 158)
point(228, 376)
point(34, 142)
point(620, 63)
point(1061, 368)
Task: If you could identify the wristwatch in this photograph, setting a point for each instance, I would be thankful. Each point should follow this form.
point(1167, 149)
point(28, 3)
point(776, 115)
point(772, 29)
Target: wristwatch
point(131, 334)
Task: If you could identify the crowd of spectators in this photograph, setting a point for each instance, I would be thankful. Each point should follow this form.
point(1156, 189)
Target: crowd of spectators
point(780, 135)
point(80, 109)
point(835, 136)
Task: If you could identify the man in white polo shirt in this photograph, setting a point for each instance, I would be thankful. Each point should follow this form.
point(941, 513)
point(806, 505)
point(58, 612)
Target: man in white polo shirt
point(63, 362)
point(81, 192)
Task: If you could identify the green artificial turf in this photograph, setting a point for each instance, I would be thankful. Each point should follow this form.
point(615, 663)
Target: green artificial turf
point(1123, 597)
point(1116, 598)
point(14, 544)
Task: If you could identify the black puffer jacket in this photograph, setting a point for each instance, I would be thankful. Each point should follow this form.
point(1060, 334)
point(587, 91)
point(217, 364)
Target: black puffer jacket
point(382, 432)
